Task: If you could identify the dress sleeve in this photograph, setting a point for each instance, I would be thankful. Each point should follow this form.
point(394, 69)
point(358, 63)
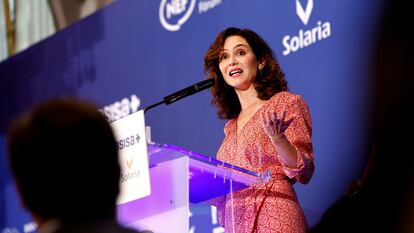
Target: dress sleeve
point(299, 134)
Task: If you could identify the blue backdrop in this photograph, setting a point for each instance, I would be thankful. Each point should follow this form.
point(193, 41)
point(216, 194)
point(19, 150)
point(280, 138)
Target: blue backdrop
point(133, 53)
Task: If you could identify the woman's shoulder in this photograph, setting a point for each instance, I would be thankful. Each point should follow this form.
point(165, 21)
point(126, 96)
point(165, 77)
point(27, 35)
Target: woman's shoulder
point(285, 97)
point(229, 126)
point(289, 102)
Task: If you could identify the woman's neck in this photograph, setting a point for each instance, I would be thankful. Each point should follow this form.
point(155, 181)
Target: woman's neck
point(248, 98)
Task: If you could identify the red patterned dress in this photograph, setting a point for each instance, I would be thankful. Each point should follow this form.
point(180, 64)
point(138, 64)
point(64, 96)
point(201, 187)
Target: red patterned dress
point(273, 206)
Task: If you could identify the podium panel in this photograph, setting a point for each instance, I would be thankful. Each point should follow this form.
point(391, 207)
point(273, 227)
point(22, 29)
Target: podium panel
point(166, 209)
point(180, 177)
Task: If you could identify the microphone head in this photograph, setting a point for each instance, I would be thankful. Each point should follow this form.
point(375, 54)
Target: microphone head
point(189, 91)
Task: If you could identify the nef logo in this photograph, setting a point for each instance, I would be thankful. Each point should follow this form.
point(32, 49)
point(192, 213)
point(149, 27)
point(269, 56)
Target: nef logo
point(175, 13)
point(305, 37)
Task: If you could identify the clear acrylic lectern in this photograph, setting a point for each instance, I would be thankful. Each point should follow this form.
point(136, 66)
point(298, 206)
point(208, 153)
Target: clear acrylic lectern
point(180, 177)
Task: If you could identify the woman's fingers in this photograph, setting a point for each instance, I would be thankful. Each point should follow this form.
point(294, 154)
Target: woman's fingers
point(274, 124)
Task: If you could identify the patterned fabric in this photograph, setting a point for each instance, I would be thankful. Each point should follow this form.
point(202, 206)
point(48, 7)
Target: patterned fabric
point(273, 206)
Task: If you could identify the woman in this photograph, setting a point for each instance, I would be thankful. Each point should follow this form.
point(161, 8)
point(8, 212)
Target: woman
point(269, 129)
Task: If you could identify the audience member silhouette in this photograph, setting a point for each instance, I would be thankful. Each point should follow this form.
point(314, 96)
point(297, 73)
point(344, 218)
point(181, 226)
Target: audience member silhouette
point(65, 163)
point(382, 200)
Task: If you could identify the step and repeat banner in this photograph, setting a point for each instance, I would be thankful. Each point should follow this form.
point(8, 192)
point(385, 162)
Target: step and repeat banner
point(132, 53)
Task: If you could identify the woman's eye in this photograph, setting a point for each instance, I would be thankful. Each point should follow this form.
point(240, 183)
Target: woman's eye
point(223, 57)
point(241, 53)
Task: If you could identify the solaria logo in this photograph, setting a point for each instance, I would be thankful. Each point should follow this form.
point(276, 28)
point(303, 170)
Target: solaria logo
point(305, 37)
point(174, 13)
point(129, 163)
point(130, 173)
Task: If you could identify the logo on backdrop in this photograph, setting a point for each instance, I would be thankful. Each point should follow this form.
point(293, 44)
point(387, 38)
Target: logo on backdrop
point(121, 108)
point(307, 36)
point(174, 13)
point(304, 14)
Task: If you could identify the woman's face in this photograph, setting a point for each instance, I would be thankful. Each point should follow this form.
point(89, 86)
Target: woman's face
point(238, 64)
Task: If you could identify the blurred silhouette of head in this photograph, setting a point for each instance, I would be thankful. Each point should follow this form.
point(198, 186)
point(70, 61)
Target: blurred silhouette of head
point(392, 173)
point(384, 201)
point(64, 159)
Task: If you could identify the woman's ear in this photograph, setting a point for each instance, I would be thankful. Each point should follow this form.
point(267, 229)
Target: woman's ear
point(261, 65)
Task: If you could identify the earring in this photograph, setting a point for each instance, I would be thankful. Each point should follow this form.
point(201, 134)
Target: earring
point(260, 73)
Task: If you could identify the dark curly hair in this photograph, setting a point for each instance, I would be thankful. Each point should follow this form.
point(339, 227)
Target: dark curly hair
point(270, 81)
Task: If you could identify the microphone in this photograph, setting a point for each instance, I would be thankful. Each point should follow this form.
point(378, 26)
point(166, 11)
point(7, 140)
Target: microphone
point(169, 99)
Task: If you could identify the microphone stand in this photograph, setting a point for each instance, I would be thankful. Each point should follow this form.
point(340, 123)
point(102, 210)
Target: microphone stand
point(152, 106)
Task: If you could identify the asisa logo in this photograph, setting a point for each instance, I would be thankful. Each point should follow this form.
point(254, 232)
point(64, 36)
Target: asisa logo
point(305, 37)
point(121, 108)
point(175, 13)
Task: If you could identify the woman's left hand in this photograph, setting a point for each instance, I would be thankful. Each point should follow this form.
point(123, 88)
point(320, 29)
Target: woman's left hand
point(275, 126)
